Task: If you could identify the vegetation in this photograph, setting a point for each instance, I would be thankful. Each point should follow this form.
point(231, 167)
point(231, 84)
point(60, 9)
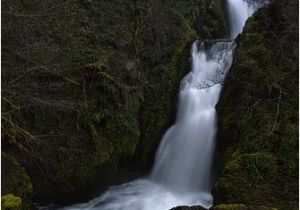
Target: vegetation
point(88, 88)
point(258, 120)
point(16, 180)
point(188, 208)
point(11, 202)
point(240, 207)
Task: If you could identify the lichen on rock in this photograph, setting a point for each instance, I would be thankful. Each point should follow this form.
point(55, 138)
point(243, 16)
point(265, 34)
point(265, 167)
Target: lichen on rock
point(11, 202)
point(15, 181)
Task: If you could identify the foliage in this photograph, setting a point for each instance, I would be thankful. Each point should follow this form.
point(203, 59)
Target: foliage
point(258, 139)
point(230, 207)
point(88, 88)
point(11, 202)
point(14, 180)
point(240, 207)
point(210, 19)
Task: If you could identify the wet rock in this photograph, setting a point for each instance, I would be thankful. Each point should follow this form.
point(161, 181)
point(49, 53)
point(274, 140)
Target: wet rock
point(188, 208)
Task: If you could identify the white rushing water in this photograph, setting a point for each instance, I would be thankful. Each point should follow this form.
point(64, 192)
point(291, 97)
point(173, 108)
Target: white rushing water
point(240, 11)
point(182, 172)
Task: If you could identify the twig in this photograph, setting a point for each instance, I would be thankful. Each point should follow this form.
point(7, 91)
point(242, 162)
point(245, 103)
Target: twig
point(277, 112)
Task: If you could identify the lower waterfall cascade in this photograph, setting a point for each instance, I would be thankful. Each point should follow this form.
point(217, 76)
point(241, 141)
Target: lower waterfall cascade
point(182, 171)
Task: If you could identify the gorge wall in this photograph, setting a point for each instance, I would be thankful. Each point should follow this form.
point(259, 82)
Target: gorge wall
point(258, 114)
point(88, 88)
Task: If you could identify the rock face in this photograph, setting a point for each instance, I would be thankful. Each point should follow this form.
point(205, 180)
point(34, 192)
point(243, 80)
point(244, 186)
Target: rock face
point(225, 207)
point(188, 208)
point(88, 88)
point(240, 207)
point(258, 114)
point(211, 21)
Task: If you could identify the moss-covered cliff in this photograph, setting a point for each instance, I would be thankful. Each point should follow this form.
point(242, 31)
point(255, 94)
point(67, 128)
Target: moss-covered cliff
point(258, 114)
point(88, 88)
point(257, 158)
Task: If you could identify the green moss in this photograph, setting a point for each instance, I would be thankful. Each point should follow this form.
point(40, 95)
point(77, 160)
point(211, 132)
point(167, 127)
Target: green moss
point(262, 208)
point(257, 130)
point(92, 118)
point(230, 207)
point(11, 202)
point(211, 21)
point(157, 110)
point(240, 207)
point(15, 179)
point(187, 8)
point(244, 179)
point(188, 208)
point(260, 166)
point(82, 55)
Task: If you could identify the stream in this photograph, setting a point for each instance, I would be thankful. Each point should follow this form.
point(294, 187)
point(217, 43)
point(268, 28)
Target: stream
point(182, 171)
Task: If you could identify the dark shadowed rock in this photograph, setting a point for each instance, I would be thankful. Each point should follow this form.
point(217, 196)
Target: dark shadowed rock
point(188, 208)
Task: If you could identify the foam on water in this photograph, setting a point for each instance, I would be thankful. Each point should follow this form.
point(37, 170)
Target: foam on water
point(182, 171)
point(183, 165)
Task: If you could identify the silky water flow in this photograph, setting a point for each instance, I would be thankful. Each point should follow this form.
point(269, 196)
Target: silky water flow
point(182, 171)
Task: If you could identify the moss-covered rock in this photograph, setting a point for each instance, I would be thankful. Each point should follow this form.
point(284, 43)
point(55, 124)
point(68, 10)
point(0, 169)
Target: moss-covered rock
point(86, 99)
point(258, 114)
point(188, 208)
point(245, 174)
point(15, 181)
point(11, 202)
point(240, 207)
point(210, 20)
point(230, 207)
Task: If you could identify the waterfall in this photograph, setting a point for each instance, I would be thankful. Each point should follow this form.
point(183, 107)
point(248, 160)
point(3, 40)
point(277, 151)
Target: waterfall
point(183, 161)
point(239, 11)
point(182, 169)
